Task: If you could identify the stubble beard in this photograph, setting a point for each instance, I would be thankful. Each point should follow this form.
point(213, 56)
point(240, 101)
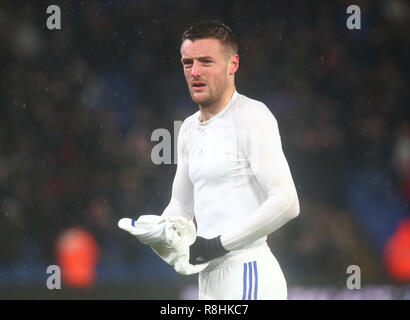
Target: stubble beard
point(213, 97)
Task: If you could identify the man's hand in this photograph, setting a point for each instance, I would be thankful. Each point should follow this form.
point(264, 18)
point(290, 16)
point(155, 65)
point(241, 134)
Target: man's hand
point(204, 250)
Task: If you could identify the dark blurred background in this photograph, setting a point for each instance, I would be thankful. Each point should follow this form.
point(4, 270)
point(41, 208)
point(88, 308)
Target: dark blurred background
point(78, 107)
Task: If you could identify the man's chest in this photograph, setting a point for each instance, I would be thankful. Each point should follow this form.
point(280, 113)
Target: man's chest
point(215, 154)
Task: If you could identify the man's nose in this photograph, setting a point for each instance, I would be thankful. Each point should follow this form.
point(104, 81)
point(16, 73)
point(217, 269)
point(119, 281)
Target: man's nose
point(196, 69)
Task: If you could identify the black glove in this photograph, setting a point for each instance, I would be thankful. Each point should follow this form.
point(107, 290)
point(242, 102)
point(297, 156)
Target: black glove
point(204, 250)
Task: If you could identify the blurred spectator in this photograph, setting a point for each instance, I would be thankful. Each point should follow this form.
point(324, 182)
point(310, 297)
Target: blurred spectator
point(77, 255)
point(397, 253)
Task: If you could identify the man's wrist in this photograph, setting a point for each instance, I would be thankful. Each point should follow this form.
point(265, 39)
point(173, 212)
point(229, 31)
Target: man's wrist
point(204, 250)
point(216, 248)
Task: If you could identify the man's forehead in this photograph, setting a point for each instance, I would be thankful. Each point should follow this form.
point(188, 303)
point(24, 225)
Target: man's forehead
point(201, 47)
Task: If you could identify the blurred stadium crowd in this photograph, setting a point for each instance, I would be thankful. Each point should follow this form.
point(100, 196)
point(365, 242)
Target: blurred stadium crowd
point(78, 107)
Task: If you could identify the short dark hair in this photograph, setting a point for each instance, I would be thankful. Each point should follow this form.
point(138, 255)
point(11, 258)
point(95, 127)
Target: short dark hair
point(211, 29)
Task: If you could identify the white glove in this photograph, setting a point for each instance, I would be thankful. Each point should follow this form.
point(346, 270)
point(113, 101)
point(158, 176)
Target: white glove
point(168, 237)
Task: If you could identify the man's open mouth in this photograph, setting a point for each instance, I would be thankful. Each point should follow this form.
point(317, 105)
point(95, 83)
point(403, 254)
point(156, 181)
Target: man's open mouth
point(198, 84)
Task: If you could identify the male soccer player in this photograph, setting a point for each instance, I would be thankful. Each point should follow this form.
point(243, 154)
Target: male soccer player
point(232, 175)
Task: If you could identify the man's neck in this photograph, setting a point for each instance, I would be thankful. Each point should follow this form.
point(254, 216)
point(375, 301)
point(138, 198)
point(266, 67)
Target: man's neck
point(211, 110)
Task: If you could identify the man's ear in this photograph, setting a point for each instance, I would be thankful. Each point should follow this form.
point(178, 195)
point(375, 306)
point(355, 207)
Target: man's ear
point(233, 64)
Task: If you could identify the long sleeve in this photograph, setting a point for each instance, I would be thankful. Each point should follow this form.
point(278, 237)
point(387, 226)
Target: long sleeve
point(271, 171)
point(182, 199)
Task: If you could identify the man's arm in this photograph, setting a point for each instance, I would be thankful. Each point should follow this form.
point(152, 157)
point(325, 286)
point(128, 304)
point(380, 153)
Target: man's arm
point(182, 198)
point(271, 170)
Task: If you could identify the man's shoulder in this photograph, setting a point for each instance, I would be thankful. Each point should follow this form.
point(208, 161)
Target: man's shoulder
point(250, 109)
point(250, 102)
point(189, 121)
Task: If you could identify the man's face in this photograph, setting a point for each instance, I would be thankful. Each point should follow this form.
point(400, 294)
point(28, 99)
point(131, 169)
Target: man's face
point(207, 68)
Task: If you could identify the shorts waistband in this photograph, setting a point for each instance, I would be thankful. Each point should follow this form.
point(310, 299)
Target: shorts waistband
point(237, 256)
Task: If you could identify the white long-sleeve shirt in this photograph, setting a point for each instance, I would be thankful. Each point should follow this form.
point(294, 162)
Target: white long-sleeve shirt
point(232, 175)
